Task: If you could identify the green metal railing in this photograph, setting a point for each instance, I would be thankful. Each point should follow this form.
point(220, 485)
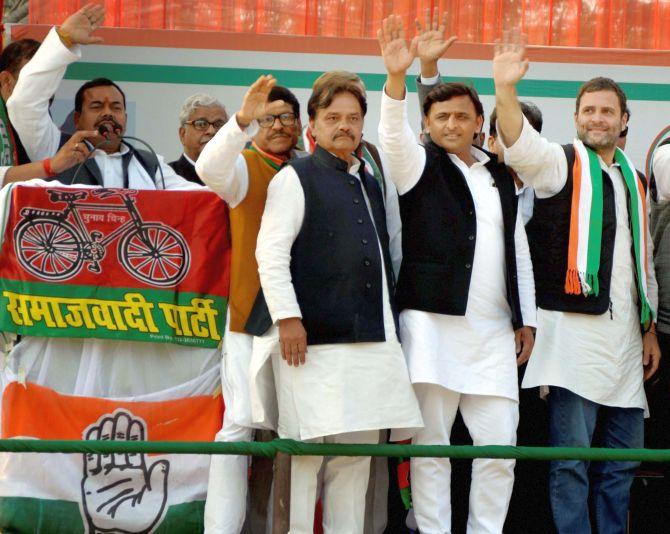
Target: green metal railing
point(296, 448)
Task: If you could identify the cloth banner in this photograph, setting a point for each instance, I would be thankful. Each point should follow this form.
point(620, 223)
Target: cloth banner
point(121, 493)
point(114, 263)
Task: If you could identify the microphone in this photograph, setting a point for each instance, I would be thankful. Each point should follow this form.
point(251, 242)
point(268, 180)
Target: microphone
point(106, 132)
point(106, 140)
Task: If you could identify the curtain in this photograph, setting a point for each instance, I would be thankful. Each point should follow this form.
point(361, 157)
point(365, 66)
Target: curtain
point(589, 23)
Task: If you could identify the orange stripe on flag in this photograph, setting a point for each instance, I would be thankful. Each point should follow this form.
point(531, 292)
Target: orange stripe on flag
point(572, 285)
point(40, 412)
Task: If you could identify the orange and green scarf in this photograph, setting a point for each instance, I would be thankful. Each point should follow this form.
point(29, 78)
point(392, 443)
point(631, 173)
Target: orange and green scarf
point(586, 223)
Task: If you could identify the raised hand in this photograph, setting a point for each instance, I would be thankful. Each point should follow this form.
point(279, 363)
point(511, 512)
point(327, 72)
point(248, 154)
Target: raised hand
point(509, 59)
point(397, 55)
point(432, 41)
point(255, 104)
point(79, 26)
point(120, 493)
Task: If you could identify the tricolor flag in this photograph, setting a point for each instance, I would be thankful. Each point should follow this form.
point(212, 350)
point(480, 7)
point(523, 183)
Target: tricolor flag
point(119, 493)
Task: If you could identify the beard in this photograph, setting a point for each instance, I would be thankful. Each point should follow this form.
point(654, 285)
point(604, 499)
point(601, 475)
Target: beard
point(600, 140)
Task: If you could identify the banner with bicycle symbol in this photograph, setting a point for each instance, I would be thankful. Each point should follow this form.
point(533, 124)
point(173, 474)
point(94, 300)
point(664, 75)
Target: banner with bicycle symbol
point(115, 263)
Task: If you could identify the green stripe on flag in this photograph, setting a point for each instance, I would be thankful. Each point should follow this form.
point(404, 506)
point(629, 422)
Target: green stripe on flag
point(595, 222)
point(25, 514)
point(303, 79)
point(45, 321)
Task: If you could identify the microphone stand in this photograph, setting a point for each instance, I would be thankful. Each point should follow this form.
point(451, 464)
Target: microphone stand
point(158, 163)
point(74, 178)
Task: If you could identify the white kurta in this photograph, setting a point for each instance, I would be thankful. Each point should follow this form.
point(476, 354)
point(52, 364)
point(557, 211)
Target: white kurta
point(661, 170)
point(475, 353)
point(346, 387)
point(94, 367)
point(598, 357)
point(28, 109)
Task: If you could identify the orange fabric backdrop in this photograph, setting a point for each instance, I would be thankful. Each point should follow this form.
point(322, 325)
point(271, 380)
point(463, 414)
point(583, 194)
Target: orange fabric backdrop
point(593, 23)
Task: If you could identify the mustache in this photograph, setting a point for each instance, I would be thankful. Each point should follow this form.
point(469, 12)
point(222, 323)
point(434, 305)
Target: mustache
point(109, 119)
point(279, 134)
point(348, 135)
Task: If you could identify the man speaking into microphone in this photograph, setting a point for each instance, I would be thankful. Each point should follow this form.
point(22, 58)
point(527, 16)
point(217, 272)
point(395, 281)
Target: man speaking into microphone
point(100, 105)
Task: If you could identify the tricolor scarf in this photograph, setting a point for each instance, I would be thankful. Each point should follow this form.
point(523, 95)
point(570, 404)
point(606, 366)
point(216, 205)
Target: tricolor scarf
point(8, 151)
point(273, 161)
point(586, 224)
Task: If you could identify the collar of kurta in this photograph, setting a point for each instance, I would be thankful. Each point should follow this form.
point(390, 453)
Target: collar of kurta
point(488, 159)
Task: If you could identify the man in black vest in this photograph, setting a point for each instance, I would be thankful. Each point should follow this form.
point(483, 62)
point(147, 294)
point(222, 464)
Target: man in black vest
point(596, 290)
point(99, 103)
point(325, 270)
point(465, 288)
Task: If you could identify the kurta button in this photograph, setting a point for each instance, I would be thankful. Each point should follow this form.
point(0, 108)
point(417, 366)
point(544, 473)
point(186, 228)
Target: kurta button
point(368, 285)
point(360, 221)
point(364, 241)
point(471, 237)
point(352, 182)
point(367, 263)
point(470, 212)
point(330, 234)
point(467, 265)
point(356, 201)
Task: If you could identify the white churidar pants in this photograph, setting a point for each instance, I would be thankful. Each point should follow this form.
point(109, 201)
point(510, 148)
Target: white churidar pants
point(490, 421)
point(345, 482)
point(226, 505)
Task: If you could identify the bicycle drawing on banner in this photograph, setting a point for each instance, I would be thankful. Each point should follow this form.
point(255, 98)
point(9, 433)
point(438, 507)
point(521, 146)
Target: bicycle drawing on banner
point(54, 245)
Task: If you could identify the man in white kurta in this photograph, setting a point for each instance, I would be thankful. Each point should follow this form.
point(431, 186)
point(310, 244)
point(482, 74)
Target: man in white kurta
point(593, 364)
point(341, 392)
point(93, 367)
point(103, 368)
point(464, 361)
point(240, 176)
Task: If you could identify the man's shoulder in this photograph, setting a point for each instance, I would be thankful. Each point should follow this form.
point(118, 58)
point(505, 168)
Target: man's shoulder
point(181, 163)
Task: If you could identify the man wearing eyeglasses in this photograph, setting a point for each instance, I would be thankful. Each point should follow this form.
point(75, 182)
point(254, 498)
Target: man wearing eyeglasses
point(200, 118)
point(238, 164)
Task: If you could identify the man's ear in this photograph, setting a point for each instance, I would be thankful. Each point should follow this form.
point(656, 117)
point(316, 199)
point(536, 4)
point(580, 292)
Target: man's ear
point(75, 119)
point(182, 134)
point(480, 123)
point(6, 83)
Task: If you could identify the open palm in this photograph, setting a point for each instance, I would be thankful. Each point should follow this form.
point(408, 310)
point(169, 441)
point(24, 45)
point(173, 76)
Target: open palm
point(432, 42)
point(80, 25)
point(255, 104)
point(397, 55)
point(509, 59)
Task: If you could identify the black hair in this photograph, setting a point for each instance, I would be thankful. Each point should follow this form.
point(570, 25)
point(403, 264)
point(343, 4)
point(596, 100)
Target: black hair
point(602, 84)
point(14, 53)
point(282, 93)
point(97, 82)
point(324, 93)
point(530, 111)
point(447, 91)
